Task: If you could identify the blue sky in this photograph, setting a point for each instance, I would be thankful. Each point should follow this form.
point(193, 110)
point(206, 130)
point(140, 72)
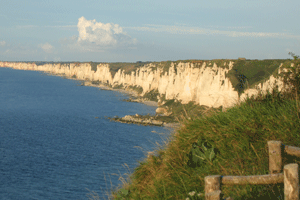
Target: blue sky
point(148, 30)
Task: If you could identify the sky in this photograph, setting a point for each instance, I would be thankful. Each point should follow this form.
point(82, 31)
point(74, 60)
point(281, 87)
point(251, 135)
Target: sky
point(148, 30)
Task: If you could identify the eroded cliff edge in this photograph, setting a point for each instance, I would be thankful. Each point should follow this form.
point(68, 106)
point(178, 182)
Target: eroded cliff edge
point(210, 83)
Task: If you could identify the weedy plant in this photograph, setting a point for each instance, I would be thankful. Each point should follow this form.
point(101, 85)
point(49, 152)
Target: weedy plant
point(202, 151)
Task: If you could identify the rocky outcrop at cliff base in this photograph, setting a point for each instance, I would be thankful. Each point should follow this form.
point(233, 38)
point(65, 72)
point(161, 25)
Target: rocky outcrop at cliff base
point(138, 120)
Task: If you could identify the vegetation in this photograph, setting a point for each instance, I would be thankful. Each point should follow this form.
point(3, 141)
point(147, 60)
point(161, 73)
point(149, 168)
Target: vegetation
point(223, 63)
point(50, 62)
point(127, 67)
point(138, 89)
point(247, 73)
point(152, 95)
point(96, 82)
point(165, 65)
point(93, 66)
point(182, 112)
point(118, 86)
point(221, 143)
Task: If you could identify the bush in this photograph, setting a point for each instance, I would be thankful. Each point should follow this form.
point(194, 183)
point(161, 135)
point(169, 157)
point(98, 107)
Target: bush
point(93, 66)
point(152, 95)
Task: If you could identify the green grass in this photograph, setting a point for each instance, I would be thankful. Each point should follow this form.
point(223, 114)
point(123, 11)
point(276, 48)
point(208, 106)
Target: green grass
point(239, 137)
point(127, 67)
point(247, 73)
point(93, 66)
point(231, 143)
point(182, 112)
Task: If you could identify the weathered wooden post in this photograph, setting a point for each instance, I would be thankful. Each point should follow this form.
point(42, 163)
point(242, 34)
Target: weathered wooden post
point(212, 187)
point(275, 156)
point(291, 182)
point(215, 195)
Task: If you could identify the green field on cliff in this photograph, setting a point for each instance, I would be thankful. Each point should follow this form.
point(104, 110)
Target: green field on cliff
point(233, 142)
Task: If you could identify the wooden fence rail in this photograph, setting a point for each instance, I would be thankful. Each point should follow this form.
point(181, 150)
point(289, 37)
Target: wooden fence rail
point(289, 177)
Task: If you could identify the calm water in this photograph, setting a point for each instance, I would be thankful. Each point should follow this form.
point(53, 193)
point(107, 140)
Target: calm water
point(55, 142)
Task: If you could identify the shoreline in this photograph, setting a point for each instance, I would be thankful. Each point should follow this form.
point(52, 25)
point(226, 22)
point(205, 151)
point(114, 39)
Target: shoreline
point(159, 119)
point(132, 93)
point(129, 119)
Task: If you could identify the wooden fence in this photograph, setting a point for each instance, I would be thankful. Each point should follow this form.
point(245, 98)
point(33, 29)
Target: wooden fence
point(289, 177)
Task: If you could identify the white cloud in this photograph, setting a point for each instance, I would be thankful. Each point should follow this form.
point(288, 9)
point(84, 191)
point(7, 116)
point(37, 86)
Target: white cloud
point(100, 34)
point(2, 43)
point(196, 30)
point(95, 36)
point(46, 47)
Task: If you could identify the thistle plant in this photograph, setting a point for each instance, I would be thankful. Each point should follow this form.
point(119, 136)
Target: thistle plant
point(201, 152)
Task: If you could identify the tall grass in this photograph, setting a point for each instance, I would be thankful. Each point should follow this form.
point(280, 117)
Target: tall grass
point(225, 143)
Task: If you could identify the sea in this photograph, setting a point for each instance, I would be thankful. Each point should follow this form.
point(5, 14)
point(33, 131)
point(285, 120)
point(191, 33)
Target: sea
point(56, 142)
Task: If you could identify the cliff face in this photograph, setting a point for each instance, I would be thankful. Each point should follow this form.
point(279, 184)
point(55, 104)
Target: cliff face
point(203, 83)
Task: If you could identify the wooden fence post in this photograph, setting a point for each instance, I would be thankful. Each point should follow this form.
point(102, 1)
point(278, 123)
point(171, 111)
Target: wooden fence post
point(215, 195)
point(291, 182)
point(290, 175)
point(275, 156)
point(213, 187)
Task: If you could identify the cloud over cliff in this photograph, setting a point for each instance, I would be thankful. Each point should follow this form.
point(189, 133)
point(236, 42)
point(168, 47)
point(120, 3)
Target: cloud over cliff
point(96, 33)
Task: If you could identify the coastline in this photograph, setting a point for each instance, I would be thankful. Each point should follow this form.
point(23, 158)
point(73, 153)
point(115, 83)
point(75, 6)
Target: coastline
point(129, 92)
point(168, 112)
point(181, 147)
point(129, 119)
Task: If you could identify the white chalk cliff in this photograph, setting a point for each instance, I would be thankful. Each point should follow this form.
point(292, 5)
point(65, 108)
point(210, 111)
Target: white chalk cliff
point(203, 83)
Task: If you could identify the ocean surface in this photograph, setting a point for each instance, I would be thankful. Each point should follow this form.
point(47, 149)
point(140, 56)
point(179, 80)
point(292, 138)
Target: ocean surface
point(55, 142)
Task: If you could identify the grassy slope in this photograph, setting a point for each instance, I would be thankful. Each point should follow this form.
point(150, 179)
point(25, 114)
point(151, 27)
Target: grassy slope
point(239, 137)
point(248, 73)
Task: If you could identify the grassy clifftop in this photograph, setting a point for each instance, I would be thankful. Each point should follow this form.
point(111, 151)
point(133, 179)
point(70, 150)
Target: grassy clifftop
point(222, 143)
point(248, 73)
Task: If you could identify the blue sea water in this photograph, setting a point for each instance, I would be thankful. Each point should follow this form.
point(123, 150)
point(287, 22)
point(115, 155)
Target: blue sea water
point(55, 142)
